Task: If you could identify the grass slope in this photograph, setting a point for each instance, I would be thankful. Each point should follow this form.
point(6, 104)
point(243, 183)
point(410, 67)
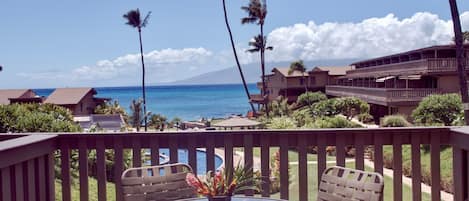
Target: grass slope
point(446, 164)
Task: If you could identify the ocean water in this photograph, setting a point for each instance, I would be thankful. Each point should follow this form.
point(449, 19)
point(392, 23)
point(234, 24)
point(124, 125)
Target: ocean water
point(190, 102)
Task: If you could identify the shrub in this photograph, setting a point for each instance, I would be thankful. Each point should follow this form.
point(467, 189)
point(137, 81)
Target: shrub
point(302, 117)
point(325, 108)
point(282, 123)
point(279, 107)
point(365, 118)
point(309, 98)
point(18, 118)
point(333, 122)
point(444, 108)
point(395, 121)
point(157, 121)
point(351, 106)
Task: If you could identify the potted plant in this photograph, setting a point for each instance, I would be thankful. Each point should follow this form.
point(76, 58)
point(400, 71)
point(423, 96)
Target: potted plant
point(218, 186)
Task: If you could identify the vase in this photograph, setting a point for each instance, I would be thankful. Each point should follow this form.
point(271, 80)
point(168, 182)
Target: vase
point(219, 198)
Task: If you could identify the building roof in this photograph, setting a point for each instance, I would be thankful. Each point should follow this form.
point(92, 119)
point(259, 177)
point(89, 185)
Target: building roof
point(435, 47)
point(284, 72)
point(68, 96)
point(237, 122)
point(108, 122)
point(6, 94)
point(333, 70)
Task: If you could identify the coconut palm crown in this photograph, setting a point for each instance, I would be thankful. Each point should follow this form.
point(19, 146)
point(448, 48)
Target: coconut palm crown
point(257, 11)
point(134, 20)
point(299, 66)
point(257, 44)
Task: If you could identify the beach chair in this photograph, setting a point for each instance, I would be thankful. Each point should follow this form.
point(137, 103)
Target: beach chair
point(162, 183)
point(339, 183)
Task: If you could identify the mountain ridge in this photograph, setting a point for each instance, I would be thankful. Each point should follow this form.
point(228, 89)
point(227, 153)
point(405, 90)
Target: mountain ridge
point(252, 72)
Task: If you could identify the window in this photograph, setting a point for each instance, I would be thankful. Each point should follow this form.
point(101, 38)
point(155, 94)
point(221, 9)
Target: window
point(302, 81)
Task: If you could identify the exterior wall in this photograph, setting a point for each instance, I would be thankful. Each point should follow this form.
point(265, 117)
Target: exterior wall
point(448, 83)
point(274, 84)
point(86, 106)
point(406, 111)
point(318, 79)
point(295, 82)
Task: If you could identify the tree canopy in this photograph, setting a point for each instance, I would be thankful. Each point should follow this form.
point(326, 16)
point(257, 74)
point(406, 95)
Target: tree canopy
point(433, 109)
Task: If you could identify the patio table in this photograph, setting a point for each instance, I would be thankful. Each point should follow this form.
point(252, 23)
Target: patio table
point(237, 198)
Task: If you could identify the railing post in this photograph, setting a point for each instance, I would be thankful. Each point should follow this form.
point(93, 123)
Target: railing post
point(65, 171)
point(284, 173)
point(83, 169)
point(435, 166)
point(248, 158)
point(459, 173)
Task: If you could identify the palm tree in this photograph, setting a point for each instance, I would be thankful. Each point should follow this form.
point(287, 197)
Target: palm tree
point(135, 20)
point(236, 57)
point(458, 36)
point(465, 36)
point(136, 116)
point(299, 66)
point(257, 11)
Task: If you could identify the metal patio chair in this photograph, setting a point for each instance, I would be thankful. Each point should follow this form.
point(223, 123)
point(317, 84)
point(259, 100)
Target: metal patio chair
point(339, 183)
point(158, 183)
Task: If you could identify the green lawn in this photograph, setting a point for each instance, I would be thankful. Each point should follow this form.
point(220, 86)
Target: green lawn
point(93, 190)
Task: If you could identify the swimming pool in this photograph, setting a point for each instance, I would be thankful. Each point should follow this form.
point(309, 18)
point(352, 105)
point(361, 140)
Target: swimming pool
point(183, 158)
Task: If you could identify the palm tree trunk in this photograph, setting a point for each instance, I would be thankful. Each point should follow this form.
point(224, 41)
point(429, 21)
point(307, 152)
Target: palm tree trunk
point(460, 58)
point(143, 81)
point(305, 83)
point(264, 87)
point(236, 58)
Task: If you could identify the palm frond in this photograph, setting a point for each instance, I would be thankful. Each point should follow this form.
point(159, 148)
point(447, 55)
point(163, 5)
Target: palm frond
point(253, 50)
point(249, 20)
point(145, 21)
point(269, 48)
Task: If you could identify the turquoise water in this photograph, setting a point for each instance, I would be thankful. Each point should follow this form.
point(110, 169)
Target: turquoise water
point(187, 102)
point(184, 158)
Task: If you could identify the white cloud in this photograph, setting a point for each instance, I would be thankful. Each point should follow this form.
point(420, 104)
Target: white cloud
point(369, 38)
point(160, 65)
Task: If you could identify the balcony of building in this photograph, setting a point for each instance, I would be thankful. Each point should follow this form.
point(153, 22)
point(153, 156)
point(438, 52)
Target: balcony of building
point(420, 66)
point(383, 96)
point(29, 162)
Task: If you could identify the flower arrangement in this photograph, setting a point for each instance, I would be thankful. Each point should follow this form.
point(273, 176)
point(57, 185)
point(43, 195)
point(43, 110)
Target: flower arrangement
point(219, 183)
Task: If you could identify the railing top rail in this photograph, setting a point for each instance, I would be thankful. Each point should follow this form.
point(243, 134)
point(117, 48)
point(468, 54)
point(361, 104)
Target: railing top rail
point(382, 89)
point(24, 148)
point(459, 137)
point(255, 132)
point(24, 141)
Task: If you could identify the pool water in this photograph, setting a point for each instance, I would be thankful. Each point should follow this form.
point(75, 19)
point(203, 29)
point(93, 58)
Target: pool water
point(183, 158)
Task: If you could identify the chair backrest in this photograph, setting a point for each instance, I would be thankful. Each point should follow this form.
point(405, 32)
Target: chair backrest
point(339, 183)
point(161, 183)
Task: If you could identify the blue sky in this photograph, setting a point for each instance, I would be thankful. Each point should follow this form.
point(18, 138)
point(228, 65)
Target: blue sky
point(86, 43)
